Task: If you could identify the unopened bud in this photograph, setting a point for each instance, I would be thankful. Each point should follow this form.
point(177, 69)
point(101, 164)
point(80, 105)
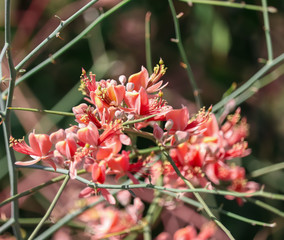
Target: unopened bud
point(119, 114)
point(158, 132)
point(129, 86)
point(113, 82)
point(122, 79)
point(181, 136)
point(169, 124)
point(130, 116)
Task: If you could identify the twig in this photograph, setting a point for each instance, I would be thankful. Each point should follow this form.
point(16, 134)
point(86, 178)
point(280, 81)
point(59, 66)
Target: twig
point(266, 170)
point(266, 206)
point(267, 31)
point(6, 123)
point(248, 83)
point(260, 83)
point(181, 49)
point(37, 188)
point(7, 224)
point(63, 24)
point(224, 212)
point(148, 42)
point(42, 111)
point(51, 207)
point(232, 4)
point(260, 193)
point(71, 43)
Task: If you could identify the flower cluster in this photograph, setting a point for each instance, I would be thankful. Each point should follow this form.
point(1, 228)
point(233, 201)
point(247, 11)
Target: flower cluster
point(200, 147)
point(105, 221)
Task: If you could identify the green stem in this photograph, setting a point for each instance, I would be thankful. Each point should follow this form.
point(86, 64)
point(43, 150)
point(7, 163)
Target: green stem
point(63, 24)
point(35, 189)
point(267, 31)
point(229, 214)
point(160, 188)
point(248, 83)
point(148, 42)
point(266, 170)
point(7, 224)
point(63, 221)
point(71, 43)
point(2, 54)
point(181, 49)
point(35, 221)
point(266, 206)
point(138, 120)
point(232, 4)
point(262, 82)
point(6, 123)
point(153, 212)
point(42, 111)
point(140, 133)
point(51, 207)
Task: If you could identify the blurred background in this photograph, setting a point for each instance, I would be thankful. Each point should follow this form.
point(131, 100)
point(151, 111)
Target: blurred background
point(223, 45)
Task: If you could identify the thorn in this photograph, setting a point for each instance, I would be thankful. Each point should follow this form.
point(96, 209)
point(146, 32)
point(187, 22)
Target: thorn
point(262, 60)
point(272, 9)
point(58, 36)
point(179, 15)
point(52, 59)
point(174, 40)
point(182, 64)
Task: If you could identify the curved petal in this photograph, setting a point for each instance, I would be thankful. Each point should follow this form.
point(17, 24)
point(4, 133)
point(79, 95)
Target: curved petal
point(27, 163)
point(139, 79)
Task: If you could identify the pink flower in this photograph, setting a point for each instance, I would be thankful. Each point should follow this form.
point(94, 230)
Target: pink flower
point(190, 233)
point(39, 148)
point(152, 84)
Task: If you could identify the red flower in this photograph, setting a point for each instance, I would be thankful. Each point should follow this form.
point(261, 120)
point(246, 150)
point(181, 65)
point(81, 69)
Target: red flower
point(39, 148)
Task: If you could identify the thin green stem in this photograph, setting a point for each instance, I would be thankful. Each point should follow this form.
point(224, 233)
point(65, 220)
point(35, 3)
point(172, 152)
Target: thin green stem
point(63, 221)
point(232, 4)
point(42, 111)
point(51, 207)
point(2, 54)
point(185, 63)
point(71, 43)
point(248, 83)
point(35, 221)
point(168, 191)
point(140, 133)
point(148, 42)
point(37, 188)
point(6, 123)
point(262, 82)
point(160, 188)
point(55, 33)
point(266, 170)
point(224, 212)
point(153, 212)
point(138, 120)
point(7, 224)
point(266, 206)
point(267, 31)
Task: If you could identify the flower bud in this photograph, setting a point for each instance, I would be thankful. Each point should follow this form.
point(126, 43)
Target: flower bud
point(122, 79)
point(129, 86)
point(169, 124)
point(113, 82)
point(158, 132)
point(130, 116)
point(181, 136)
point(119, 114)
